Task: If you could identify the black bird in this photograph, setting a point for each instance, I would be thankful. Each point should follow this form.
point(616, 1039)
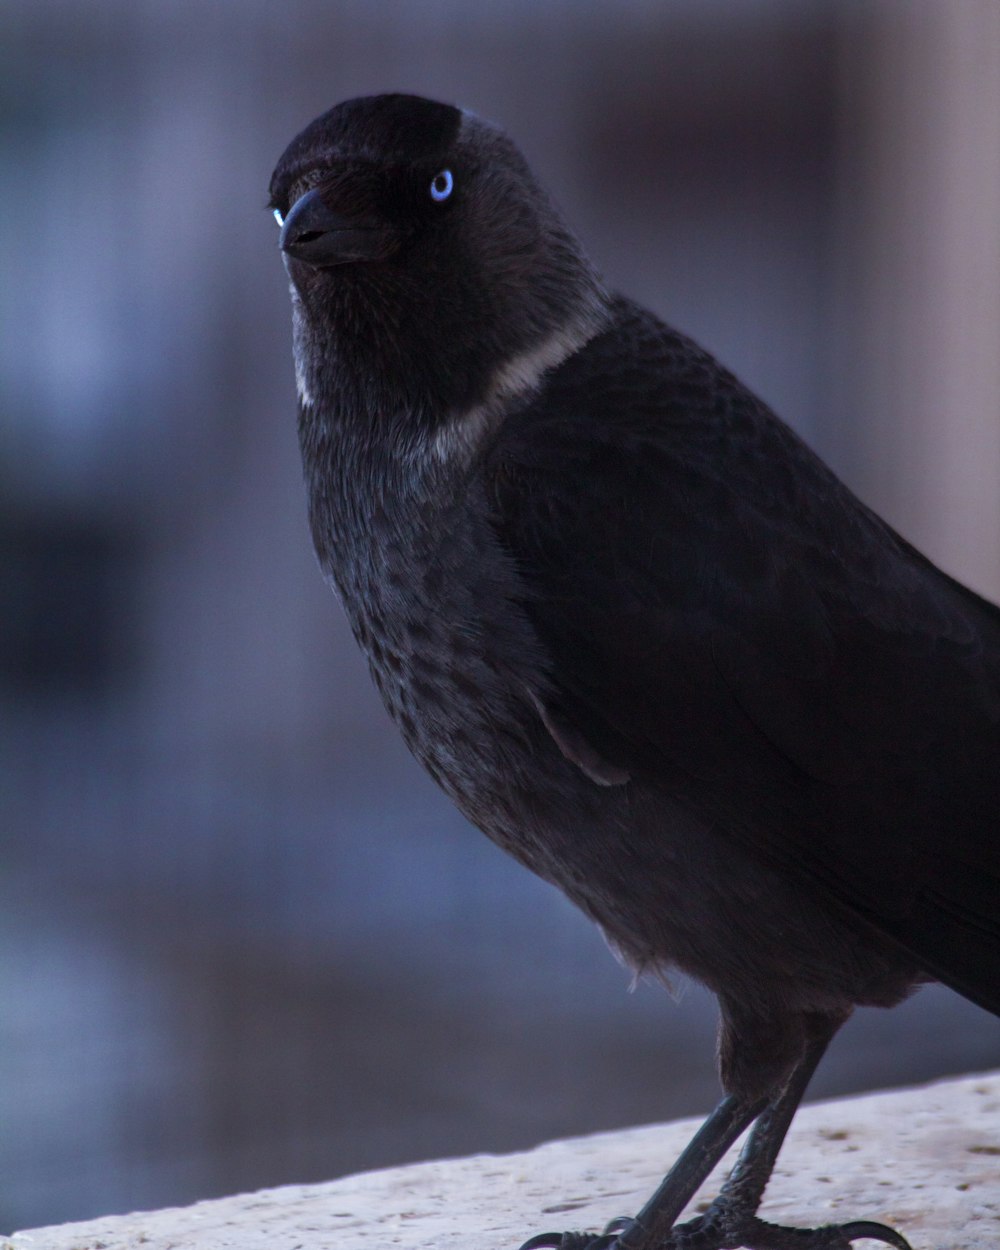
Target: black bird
point(635, 628)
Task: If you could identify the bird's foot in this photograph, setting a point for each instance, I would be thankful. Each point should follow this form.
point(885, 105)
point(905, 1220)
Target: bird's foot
point(580, 1241)
point(723, 1228)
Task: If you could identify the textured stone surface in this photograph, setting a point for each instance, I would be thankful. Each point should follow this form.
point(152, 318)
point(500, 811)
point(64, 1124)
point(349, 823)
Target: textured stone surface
point(924, 1160)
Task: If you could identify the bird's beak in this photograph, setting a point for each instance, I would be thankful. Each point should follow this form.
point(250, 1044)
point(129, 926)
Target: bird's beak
point(320, 237)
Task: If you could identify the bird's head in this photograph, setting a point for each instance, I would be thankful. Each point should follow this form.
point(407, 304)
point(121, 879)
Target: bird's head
point(423, 255)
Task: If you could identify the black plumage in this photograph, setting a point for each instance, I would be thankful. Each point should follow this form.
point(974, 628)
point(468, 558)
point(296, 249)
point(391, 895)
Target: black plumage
point(634, 626)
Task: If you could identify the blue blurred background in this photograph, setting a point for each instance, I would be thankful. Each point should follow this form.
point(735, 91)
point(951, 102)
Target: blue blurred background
point(243, 940)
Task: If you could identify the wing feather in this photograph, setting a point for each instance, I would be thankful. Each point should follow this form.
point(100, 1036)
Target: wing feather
point(726, 620)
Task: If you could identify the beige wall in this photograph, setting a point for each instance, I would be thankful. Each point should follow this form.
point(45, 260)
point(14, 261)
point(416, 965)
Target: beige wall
point(921, 220)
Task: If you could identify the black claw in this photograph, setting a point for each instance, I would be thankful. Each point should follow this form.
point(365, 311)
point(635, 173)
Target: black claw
point(876, 1232)
point(571, 1241)
point(713, 1231)
point(709, 1232)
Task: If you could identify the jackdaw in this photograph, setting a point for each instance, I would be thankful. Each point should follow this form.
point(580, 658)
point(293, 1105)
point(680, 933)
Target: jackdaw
point(635, 628)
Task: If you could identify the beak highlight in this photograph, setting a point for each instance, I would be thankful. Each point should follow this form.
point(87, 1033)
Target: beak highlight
point(318, 236)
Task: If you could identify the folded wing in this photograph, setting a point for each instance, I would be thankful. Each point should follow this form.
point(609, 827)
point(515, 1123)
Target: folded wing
point(726, 621)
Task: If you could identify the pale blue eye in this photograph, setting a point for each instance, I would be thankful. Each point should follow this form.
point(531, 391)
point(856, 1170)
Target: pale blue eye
point(278, 217)
point(441, 185)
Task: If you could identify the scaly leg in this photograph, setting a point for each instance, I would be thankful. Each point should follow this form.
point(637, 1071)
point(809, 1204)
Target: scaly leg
point(731, 1221)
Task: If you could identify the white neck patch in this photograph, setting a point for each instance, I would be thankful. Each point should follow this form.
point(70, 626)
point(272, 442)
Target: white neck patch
point(515, 378)
point(300, 348)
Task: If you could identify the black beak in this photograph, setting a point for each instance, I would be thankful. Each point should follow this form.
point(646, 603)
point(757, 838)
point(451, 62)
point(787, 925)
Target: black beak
point(317, 235)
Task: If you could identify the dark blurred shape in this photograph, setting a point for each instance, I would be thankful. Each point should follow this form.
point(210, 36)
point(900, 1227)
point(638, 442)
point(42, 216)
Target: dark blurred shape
point(66, 602)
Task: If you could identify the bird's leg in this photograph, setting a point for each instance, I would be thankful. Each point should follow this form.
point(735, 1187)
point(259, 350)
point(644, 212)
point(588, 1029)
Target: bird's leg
point(731, 1220)
point(675, 1191)
point(744, 1187)
point(656, 1219)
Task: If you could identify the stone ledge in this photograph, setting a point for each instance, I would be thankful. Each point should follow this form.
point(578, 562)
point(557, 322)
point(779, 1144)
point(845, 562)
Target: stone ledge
point(925, 1160)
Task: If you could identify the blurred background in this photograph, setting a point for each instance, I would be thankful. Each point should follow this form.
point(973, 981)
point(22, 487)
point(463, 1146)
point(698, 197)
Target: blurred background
point(243, 940)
